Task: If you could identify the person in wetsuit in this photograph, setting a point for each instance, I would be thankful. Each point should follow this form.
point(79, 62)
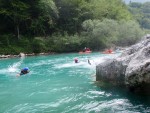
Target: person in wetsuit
point(89, 62)
point(24, 71)
point(76, 60)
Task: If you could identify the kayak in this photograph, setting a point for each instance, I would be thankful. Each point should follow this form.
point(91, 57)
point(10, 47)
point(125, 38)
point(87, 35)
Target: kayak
point(108, 52)
point(81, 52)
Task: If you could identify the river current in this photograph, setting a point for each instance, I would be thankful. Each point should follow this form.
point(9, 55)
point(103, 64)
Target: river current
point(56, 84)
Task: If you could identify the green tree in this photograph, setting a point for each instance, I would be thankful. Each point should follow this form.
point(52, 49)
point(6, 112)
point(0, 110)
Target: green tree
point(111, 9)
point(145, 22)
point(45, 19)
point(100, 33)
point(16, 11)
point(141, 13)
point(129, 33)
point(108, 32)
point(71, 14)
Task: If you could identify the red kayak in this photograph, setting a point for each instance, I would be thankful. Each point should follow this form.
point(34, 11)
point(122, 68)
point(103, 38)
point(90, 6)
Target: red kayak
point(109, 51)
point(81, 52)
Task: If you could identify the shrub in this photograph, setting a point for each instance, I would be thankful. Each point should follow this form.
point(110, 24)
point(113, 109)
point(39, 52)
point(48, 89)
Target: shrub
point(38, 45)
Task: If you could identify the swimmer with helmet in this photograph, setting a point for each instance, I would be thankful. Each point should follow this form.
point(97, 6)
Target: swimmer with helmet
point(24, 71)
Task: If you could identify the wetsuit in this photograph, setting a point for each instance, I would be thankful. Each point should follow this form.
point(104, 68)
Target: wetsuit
point(24, 71)
point(89, 62)
point(76, 60)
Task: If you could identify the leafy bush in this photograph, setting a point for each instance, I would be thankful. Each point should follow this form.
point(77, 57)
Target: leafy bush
point(6, 40)
point(65, 43)
point(14, 50)
point(38, 45)
point(109, 32)
point(128, 33)
point(100, 34)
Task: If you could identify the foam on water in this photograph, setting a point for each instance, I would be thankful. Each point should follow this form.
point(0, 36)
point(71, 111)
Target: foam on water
point(83, 61)
point(13, 68)
point(56, 84)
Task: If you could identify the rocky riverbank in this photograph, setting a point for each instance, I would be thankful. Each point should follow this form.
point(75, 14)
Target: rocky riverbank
point(23, 54)
point(131, 69)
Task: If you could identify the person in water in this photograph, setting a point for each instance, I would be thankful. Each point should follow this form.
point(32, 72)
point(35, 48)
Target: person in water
point(76, 60)
point(24, 71)
point(89, 62)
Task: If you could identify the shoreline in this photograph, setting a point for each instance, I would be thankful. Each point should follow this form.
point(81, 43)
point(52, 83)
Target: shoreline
point(38, 54)
point(23, 54)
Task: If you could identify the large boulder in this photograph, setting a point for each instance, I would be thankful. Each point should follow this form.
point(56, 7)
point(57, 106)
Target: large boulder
point(112, 71)
point(131, 68)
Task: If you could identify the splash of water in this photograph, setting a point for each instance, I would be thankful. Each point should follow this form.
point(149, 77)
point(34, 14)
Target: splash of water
point(15, 67)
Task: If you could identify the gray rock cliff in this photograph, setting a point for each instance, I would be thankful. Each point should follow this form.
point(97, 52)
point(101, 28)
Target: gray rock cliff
point(131, 68)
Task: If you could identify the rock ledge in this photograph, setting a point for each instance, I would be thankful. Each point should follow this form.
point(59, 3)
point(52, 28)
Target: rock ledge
point(131, 69)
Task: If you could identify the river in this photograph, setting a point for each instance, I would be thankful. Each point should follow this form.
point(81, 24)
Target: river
point(56, 84)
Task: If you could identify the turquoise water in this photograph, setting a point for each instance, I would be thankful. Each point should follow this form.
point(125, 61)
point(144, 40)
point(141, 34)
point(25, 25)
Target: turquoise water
point(56, 84)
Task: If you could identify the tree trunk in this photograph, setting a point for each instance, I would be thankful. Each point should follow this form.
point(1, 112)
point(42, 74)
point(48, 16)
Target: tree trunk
point(18, 34)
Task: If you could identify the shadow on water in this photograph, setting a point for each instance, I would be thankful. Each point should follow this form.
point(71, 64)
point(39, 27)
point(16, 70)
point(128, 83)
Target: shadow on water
point(122, 92)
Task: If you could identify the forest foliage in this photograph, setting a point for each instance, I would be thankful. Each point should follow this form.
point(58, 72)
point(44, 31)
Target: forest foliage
point(141, 12)
point(68, 25)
